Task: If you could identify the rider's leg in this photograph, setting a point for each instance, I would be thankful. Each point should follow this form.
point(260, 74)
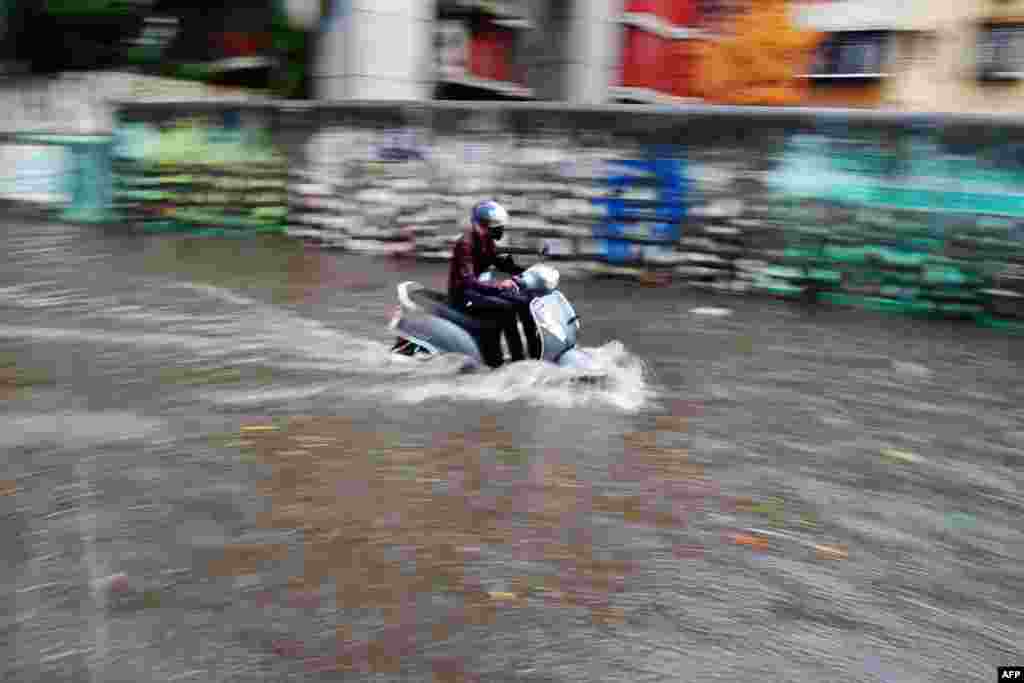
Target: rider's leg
point(490, 343)
point(502, 314)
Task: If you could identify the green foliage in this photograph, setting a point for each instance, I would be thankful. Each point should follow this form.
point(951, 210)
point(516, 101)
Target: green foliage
point(291, 47)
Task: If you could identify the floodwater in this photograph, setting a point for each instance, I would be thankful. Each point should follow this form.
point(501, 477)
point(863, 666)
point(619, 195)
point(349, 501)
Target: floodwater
point(762, 489)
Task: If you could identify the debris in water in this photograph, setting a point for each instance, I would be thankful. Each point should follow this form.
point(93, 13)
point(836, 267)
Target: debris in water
point(608, 615)
point(115, 584)
point(960, 520)
point(831, 552)
point(502, 595)
point(742, 504)
point(895, 455)
point(259, 428)
point(755, 542)
point(151, 599)
point(912, 369)
point(711, 310)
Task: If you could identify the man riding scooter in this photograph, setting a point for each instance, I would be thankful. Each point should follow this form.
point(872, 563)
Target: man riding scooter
point(499, 306)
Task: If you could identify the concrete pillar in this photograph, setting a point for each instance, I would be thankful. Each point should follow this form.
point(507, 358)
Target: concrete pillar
point(543, 50)
point(594, 50)
point(376, 50)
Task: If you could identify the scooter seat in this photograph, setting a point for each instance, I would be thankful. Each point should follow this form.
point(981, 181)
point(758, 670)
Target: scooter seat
point(437, 303)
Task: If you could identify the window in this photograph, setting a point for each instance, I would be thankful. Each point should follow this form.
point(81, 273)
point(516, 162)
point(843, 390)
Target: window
point(853, 54)
point(716, 12)
point(1001, 52)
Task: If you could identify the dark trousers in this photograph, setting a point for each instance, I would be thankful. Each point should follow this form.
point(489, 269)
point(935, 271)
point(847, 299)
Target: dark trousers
point(500, 314)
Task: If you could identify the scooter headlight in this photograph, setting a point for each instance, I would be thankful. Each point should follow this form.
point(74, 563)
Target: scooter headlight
point(542, 277)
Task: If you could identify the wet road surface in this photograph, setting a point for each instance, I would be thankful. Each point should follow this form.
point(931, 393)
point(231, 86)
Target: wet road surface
point(214, 472)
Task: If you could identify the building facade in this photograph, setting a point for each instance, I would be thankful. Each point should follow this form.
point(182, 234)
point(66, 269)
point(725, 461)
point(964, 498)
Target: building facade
point(927, 55)
point(579, 51)
point(970, 60)
point(919, 55)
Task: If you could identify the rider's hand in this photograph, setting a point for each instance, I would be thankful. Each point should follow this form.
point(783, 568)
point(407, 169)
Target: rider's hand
point(508, 285)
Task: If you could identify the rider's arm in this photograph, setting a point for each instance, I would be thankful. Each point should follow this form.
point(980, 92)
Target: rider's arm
point(483, 287)
point(463, 255)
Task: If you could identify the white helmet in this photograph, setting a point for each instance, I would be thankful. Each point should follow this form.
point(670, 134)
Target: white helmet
point(492, 217)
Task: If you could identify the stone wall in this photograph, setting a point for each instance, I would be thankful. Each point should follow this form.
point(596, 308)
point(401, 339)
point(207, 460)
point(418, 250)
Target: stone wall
point(614, 191)
point(82, 103)
point(903, 213)
point(210, 169)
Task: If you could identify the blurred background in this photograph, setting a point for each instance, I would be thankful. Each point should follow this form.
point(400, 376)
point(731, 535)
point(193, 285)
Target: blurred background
point(806, 463)
point(917, 55)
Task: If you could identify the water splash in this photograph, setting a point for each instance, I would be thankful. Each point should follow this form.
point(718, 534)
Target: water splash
point(240, 330)
point(214, 292)
point(626, 388)
point(269, 396)
point(33, 295)
point(244, 327)
point(106, 337)
point(713, 311)
point(77, 429)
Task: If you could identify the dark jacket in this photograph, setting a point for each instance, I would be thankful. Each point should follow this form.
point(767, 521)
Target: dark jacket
point(474, 253)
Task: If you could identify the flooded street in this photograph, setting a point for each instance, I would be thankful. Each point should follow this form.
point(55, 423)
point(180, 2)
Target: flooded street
point(214, 471)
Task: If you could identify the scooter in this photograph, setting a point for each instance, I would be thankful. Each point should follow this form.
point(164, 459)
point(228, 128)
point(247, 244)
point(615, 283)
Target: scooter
point(428, 326)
